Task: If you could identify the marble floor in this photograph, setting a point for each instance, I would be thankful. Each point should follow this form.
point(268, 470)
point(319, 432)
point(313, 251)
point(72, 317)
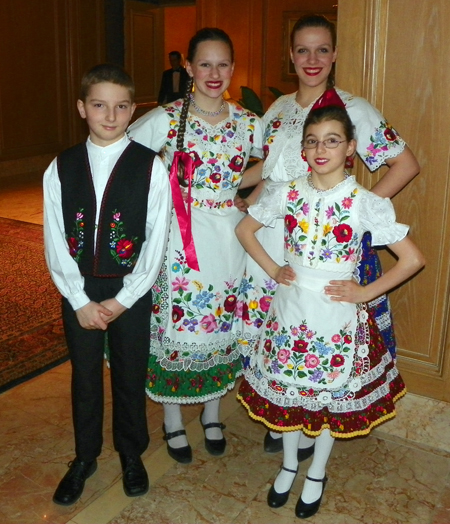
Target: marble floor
point(400, 474)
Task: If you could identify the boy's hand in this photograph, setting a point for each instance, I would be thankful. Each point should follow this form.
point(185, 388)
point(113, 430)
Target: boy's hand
point(115, 307)
point(93, 315)
point(346, 291)
point(284, 275)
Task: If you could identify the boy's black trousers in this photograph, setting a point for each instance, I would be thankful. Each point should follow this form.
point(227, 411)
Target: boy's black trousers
point(129, 342)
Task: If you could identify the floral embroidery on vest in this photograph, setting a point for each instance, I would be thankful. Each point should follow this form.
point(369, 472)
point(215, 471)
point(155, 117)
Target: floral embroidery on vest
point(76, 241)
point(122, 249)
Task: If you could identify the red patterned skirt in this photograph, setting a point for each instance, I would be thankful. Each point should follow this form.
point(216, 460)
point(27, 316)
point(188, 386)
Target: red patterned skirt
point(360, 420)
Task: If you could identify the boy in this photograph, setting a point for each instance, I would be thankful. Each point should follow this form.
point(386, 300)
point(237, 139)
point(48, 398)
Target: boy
point(106, 217)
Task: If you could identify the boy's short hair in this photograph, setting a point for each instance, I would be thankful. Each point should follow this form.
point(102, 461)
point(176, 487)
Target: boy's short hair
point(106, 73)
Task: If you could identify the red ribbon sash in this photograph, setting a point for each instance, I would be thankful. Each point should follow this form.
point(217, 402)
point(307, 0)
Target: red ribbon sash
point(183, 215)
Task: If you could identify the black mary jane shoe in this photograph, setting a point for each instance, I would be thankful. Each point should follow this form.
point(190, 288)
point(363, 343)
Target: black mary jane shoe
point(272, 445)
point(305, 453)
point(276, 500)
point(182, 455)
point(303, 510)
point(135, 477)
point(214, 446)
point(71, 486)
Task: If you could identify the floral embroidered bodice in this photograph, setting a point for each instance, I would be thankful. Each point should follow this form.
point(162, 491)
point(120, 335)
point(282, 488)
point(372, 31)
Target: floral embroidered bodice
point(219, 152)
point(323, 229)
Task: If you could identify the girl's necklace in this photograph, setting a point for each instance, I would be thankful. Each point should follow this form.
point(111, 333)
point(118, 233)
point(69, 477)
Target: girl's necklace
point(310, 183)
point(203, 111)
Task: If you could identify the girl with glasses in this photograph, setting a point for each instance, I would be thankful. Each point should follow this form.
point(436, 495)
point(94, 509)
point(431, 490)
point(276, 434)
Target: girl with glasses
point(321, 367)
point(313, 53)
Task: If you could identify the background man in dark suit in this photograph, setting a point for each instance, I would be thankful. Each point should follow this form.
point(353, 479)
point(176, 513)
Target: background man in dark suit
point(174, 80)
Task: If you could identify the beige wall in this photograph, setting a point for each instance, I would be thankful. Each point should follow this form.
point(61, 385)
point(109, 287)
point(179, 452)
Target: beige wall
point(395, 53)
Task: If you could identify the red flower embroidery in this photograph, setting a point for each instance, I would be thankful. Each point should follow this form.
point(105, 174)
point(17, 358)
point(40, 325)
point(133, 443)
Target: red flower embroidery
point(343, 233)
point(245, 315)
point(276, 124)
point(230, 303)
point(172, 133)
point(195, 158)
point(337, 361)
point(347, 339)
point(389, 134)
point(173, 355)
point(155, 308)
point(125, 248)
point(216, 178)
point(300, 346)
point(264, 303)
point(268, 345)
point(73, 246)
point(236, 163)
point(177, 314)
point(290, 222)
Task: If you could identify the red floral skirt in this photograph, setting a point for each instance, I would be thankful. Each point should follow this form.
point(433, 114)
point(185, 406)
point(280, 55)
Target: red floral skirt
point(341, 424)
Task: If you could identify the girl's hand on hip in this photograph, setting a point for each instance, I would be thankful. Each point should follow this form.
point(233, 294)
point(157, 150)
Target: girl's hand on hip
point(284, 275)
point(346, 291)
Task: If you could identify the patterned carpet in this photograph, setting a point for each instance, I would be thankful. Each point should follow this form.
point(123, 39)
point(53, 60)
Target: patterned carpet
point(31, 332)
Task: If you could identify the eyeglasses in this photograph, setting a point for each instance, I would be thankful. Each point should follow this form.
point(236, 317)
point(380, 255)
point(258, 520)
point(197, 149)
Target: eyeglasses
point(329, 143)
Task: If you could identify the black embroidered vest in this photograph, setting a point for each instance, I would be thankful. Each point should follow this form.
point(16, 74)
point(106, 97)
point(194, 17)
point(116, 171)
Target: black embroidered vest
point(123, 213)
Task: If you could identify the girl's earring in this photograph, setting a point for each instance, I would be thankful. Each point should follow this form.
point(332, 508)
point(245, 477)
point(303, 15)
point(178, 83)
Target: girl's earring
point(349, 162)
point(303, 155)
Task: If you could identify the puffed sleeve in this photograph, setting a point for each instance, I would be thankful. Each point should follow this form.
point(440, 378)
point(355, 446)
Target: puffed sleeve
point(278, 172)
point(270, 205)
point(377, 140)
point(151, 129)
point(378, 216)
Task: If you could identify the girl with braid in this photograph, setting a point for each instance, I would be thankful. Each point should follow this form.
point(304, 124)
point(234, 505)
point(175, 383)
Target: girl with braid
point(206, 143)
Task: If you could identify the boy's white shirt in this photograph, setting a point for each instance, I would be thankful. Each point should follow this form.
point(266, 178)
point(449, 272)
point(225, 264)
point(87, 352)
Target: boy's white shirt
point(63, 268)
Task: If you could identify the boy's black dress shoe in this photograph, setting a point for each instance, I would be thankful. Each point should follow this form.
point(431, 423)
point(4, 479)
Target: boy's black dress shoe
point(135, 478)
point(275, 499)
point(303, 510)
point(71, 486)
point(182, 455)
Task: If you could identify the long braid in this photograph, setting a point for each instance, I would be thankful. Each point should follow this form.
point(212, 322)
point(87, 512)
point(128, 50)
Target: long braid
point(183, 115)
point(182, 129)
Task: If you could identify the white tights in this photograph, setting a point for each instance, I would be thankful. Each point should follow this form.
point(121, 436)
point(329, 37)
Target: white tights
point(173, 421)
point(311, 490)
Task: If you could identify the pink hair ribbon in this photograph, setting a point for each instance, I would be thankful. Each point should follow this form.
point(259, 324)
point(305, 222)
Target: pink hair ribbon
point(183, 215)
